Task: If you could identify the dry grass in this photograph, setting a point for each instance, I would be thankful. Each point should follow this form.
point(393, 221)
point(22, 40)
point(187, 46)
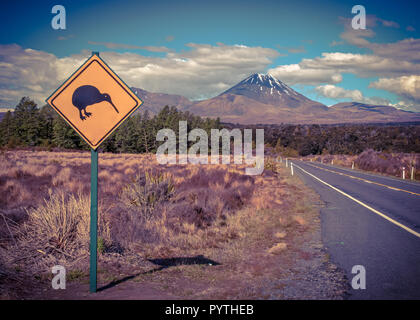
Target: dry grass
point(61, 223)
point(168, 209)
point(278, 248)
point(146, 210)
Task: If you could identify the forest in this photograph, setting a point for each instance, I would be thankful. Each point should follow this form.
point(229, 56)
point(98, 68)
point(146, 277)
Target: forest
point(31, 126)
point(349, 139)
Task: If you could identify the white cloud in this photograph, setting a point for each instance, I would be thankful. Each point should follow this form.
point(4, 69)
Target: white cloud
point(405, 86)
point(338, 93)
point(363, 65)
point(397, 63)
point(298, 74)
point(30, 72)
point(406, 105)
point(407, 49)
point(330, 66)
point(201, 71)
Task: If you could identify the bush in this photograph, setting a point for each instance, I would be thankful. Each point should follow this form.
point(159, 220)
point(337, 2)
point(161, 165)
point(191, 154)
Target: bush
point(270, 164)
point(147, 192)
point(152, 215)
point(61, 225)
point(388, 163)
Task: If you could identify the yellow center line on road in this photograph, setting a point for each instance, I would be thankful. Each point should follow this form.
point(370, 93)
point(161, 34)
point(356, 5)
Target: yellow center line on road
point(363, 204)
point(365, 180)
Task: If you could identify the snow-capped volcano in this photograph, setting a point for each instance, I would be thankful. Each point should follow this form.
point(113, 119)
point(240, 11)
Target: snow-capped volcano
point(264, 82)
point(265, 99)
point(269, 90)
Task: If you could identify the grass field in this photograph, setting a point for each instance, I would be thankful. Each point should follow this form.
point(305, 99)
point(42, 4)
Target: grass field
point(190, 231)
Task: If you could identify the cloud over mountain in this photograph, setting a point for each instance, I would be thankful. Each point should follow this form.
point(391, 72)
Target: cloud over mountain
point(334, 92)
point(201, 71)
point(405, 86)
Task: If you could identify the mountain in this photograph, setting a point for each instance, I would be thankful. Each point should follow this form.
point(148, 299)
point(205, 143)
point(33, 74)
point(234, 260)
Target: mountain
point(263, 99)
point(268, 90)
point(154, 102)
point(360, 112)
point(259, 99)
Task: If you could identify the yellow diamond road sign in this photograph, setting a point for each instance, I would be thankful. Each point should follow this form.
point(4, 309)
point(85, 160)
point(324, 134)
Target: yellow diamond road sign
point(94, 101)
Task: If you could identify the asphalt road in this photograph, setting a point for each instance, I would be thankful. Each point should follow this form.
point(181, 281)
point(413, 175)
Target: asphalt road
point(378, 227)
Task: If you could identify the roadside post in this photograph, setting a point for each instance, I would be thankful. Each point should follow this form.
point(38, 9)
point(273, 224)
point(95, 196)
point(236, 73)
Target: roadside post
point(110, 102)
point(291, 167)
point(412, 172)
point(352, 165)
point(403, 173)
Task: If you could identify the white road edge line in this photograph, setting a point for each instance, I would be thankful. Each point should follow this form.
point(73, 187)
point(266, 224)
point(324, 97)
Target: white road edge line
point(363, 204)
point(367, 173)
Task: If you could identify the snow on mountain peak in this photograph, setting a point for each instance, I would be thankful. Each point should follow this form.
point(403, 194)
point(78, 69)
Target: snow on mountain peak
point(267, 89)
point(265, 80)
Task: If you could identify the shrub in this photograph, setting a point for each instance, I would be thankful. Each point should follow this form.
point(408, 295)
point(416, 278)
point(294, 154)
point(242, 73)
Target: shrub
point(147, 192)
point(270, 164)
point(61, 225)
point(389, 163)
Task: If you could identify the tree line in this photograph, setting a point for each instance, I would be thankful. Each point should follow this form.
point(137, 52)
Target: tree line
point(30, 126)
point(348, 139)
point(302, 140)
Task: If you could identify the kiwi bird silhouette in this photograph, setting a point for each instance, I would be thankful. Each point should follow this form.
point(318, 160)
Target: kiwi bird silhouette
point(87, 95)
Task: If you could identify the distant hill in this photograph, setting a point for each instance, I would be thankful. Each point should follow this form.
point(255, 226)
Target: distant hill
point(263, 99)
point(360, 112)
point(154, 102)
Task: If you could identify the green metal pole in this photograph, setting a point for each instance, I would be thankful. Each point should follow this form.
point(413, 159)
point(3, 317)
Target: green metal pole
point(93, 218)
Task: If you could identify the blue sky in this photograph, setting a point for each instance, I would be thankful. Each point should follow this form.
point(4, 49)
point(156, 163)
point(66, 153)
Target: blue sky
point(200, 48)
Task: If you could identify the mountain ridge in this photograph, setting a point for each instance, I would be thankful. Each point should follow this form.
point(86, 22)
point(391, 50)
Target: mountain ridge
point(263, 99)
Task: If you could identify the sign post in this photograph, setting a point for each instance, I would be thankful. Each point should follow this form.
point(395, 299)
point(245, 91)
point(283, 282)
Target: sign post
point(93, 218)
point(94, 86)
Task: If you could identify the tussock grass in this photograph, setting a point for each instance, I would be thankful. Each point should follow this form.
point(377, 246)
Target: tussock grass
point(147, 193)
point(62, 223)
point(57, 230)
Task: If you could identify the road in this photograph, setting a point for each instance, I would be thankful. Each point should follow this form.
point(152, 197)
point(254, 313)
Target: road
point(373, 221)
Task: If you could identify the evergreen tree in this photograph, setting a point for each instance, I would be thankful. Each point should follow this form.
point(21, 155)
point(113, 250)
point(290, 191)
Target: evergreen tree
point(65, 137)
point(26, 122)
point(6, 129)
point(47, 116)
